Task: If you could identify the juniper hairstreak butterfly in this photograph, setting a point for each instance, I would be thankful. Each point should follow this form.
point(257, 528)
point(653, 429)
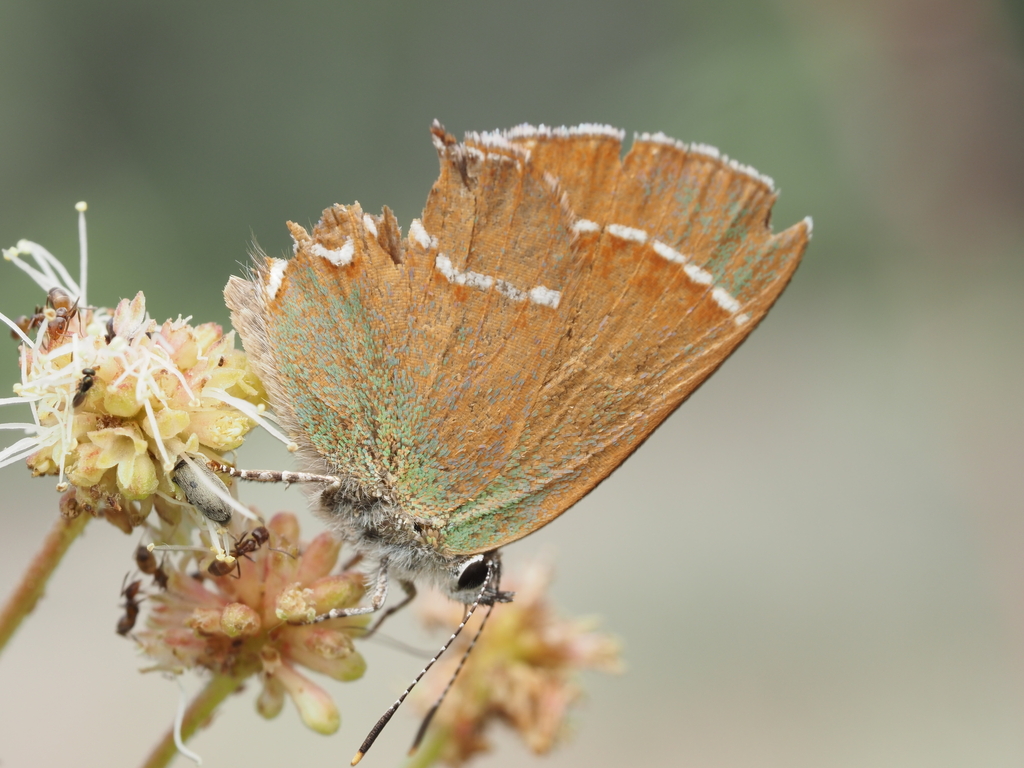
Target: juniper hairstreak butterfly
point(454, 390)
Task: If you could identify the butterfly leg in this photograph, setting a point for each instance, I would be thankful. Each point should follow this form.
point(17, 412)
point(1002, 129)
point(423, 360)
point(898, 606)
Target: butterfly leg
point(410, 593)
point(275, 476)
point(380, 594)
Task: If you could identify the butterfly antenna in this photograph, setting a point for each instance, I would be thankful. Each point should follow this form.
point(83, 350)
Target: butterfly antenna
point(386, 717)
point(451, 681)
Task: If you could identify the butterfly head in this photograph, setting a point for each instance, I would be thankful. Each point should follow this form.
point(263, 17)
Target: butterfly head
point(381, 531)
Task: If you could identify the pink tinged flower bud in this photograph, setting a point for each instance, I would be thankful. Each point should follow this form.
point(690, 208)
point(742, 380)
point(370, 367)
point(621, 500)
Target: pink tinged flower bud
point(194, 591)
point(84, 422)
point(295, 605)
point(596, 651)
point(170, 514)
point(184, 642)
point(280, 568)
point(235, 375)
point(179, 340)
point(327, 651)
point(207, 334)
point(205, 621)
point(286, 526)
point(239, 620)
point(187, 355)
point(544, 721)
point(121, 518)
point(340, 591)
point(345, 670)
point(87, 471)
point(271, 699)
point(130, 316)
point(315, 707)
point(41, 463)
point(319, 558)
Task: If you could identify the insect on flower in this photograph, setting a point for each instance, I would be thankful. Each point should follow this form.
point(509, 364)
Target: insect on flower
point(247, 544)
point(147, 563)
point(131, 607)
point(554, 304)
point(88, 379)
point(253, 625)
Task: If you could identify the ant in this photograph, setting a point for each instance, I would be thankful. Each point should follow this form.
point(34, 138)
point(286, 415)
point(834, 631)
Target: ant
point(131, 607)
point(250, 542)
point(60, 309)
point(84, 386)
point(160, 578)
point(146, 561)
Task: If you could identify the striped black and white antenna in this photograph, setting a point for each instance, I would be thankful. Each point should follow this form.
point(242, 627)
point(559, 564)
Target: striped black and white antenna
point(489, 594)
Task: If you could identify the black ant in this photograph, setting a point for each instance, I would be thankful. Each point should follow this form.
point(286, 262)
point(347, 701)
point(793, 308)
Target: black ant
point(146, 560)
point(84, 386)
point(131, 607)
point(160, 578)
point(250, 542)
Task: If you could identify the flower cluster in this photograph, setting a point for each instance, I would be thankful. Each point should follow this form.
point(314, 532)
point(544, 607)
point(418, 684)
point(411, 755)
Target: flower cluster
point(522, 671)
point(121, 403)
point(116, 398)
point(247, 622)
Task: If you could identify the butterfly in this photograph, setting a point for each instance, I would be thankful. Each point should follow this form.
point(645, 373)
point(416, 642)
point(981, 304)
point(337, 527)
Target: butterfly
point(459, 387)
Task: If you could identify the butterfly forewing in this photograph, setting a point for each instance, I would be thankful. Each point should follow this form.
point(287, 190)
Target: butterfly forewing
point(667, 238)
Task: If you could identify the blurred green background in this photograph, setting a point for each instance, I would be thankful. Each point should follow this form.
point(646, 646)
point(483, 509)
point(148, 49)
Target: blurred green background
point(816, 562)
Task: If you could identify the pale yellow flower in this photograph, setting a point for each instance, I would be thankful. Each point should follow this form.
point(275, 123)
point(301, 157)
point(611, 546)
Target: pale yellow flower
point(117, 398)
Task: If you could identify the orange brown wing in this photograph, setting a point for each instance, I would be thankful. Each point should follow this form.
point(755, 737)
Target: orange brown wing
point(552, 307)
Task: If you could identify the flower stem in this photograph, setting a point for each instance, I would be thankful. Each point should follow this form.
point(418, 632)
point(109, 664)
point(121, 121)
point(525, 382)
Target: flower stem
point(34, 580)
point(429, 751)
point(198, 712)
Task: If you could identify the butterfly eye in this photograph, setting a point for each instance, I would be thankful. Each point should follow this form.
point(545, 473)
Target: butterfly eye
point(473, 574)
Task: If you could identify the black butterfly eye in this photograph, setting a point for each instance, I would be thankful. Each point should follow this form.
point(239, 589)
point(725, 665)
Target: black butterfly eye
point(473, 575)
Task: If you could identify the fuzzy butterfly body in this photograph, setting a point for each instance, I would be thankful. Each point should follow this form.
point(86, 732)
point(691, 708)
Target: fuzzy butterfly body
point(470, 381)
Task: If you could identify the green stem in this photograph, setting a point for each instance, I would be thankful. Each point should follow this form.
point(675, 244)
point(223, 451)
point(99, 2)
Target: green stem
point(198, 712)
point(429, 750)
point(33, 582)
